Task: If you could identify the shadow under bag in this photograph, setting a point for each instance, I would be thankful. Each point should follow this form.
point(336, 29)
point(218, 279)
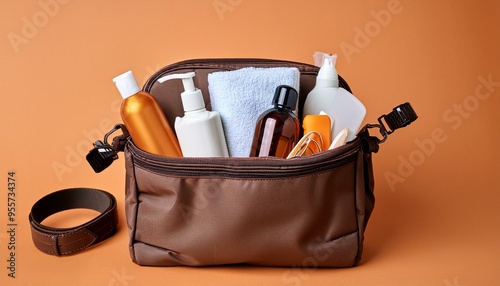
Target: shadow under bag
point(303, 211)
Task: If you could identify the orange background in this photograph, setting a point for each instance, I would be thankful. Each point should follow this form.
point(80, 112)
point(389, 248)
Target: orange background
point(437, 216)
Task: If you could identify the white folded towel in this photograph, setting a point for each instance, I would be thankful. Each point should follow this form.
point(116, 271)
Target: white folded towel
point(241, 96)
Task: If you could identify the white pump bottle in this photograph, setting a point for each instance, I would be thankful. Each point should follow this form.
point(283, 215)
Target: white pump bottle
point(343, 107)
point(199, 132)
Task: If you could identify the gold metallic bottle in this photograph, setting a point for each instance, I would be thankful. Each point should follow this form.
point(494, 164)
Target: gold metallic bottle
point(144, 119)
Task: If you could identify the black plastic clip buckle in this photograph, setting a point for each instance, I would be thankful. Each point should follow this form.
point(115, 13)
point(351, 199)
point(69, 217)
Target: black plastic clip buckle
point(103, 154)
point(401, 116)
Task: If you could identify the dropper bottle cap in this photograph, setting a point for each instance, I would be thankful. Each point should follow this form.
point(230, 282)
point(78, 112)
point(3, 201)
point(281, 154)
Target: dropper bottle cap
point(126, 84)
point(285, 97)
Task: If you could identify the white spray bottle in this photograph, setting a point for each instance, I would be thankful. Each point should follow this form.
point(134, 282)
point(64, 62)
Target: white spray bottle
point(200, 131)
point(343, 107)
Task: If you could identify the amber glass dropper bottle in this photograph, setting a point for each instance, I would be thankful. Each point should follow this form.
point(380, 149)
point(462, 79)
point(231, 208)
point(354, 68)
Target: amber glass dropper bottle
point(278, 128)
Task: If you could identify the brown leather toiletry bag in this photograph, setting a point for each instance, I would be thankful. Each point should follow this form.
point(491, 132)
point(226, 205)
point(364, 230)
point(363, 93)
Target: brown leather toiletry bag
point(303, 211)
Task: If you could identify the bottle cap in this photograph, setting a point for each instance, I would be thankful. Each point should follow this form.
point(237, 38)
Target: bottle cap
point(285, 97)
point(126, 84)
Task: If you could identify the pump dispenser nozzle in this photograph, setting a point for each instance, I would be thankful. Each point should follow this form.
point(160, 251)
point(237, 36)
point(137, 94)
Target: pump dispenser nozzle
point(192, 98)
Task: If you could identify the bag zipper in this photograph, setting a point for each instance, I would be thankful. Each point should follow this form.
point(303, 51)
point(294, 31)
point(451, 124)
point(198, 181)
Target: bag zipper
point(227, 63)
point(264, 168)
point(249, 168)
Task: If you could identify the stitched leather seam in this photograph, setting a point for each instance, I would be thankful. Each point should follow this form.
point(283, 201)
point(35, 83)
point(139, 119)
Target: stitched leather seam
point(92, 235)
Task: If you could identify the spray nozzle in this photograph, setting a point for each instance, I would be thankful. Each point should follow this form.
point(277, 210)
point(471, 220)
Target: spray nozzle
point(319, 59)
point(327, 71)
point(192, 99)
point(330, 60)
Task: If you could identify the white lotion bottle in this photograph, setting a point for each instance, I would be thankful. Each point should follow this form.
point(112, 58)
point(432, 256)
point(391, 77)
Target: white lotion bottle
point(343, 107)
point(199, 132)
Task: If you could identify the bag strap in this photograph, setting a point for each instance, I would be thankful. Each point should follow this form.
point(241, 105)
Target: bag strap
point(67, 241)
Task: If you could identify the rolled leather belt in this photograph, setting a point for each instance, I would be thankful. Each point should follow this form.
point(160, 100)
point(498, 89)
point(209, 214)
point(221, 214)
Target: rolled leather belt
point(67, 241)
